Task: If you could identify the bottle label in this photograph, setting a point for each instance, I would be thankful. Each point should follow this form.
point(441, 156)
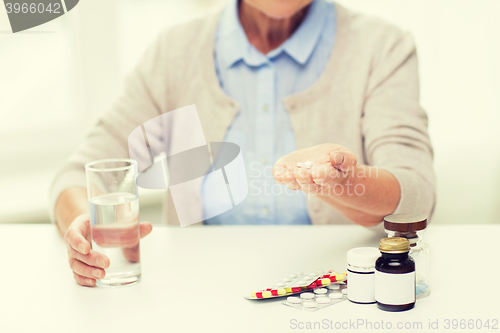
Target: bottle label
point(361, 287)
point(395, 289)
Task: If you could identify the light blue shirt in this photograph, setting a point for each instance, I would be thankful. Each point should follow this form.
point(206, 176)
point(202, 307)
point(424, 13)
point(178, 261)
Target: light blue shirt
point(262, 127)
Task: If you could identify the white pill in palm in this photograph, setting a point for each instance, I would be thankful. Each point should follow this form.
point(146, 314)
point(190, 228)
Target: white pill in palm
point(320, 291)
point(306, 165)
point(323, 300)
point(336, 295)
point(344, 291)
point(294, 300)
point(307, 295)
point(310, 304)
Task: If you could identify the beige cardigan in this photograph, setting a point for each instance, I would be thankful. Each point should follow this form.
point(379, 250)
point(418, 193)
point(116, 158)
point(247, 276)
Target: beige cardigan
point(367, 100)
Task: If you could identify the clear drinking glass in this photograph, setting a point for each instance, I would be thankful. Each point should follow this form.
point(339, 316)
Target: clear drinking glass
point(114, 218)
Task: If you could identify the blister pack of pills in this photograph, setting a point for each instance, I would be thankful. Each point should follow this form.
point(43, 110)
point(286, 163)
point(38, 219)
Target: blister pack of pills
point(297, 283)
point(319, 298)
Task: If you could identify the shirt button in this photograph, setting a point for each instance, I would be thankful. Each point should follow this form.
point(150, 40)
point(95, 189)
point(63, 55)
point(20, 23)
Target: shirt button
point(265, 108)
point(264, 161)
point(265, 210)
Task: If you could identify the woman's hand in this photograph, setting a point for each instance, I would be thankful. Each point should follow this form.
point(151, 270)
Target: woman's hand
point(364, 194)
point(87, 264)
point(331, 165)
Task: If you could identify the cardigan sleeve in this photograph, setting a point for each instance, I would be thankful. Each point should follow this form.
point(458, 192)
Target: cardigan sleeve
point(140, 101)
point(394, 125)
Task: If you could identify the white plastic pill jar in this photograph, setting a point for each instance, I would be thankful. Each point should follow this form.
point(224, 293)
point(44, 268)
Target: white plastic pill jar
point(361, 274)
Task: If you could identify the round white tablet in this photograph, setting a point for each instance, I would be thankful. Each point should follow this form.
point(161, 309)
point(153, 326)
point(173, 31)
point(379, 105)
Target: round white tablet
point(307, 164)
point(320, 291)
point(293, 300)
point(344, 291)
point(333, 287)
point(336, 295)
point(280, 284)
point(286, 280)
point(310, 304)
point(323, 300)
point(307, 295)
point(292, 276)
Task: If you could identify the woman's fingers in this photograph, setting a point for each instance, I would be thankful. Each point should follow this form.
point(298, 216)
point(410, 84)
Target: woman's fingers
point(303, 177)
point(145, 229)
point(77, 233)
point(116, 234)
point(85, 270)
point(284, 174)
point(132, 254)
point(83, 281)
point(120, 234)
point(331, 164)
point(93, 258)
point(290, 180)
point(343, 160)
point(326, 175)
point(278, 173)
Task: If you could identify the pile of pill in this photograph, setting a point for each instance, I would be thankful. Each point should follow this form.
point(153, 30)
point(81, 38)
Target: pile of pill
point(296, 283)
point(421, 288)
point(320, 298)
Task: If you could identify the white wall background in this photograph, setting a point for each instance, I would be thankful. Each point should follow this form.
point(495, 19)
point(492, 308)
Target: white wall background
point(98, 42)
point(459, 51)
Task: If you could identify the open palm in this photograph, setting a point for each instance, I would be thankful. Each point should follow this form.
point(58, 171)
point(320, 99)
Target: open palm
point(331, 164)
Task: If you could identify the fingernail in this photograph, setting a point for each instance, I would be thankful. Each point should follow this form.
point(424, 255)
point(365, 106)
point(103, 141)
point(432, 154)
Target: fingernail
point(338, 158)
point(90, 281)
point(96, 273)
point(100, 262)
point(81, 248)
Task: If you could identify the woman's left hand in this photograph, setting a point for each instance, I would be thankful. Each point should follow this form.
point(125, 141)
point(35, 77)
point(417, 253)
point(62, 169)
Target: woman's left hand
point(331, 165)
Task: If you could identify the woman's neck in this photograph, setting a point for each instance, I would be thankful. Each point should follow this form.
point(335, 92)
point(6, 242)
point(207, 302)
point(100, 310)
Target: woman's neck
point(264, 32)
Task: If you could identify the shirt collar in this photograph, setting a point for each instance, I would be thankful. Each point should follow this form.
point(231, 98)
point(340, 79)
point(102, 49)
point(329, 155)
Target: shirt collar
point(233, 44)
point(302, 43)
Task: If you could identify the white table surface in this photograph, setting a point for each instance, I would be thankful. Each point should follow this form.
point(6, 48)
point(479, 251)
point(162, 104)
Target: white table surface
point(194, 280)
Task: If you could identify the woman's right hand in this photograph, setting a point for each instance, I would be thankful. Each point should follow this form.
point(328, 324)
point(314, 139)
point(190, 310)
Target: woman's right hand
point(87, 264)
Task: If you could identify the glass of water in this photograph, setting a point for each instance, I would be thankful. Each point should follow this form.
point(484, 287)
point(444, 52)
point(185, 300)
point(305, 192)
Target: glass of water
point(114, 218)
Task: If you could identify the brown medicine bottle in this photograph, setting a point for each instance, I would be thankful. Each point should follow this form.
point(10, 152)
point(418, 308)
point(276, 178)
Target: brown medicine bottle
point(395, 275)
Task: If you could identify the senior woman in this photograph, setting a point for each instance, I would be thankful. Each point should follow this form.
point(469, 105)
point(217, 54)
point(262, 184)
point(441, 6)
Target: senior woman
point(289, 81)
